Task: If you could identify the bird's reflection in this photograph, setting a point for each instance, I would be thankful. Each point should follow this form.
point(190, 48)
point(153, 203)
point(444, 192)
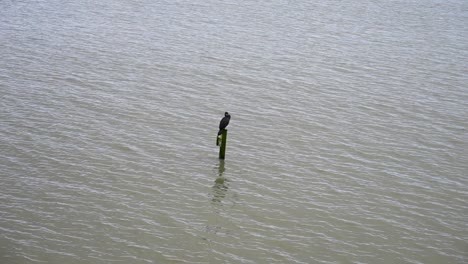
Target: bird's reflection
point(220, 187)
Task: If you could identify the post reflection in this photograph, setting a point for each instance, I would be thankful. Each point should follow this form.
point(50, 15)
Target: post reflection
point(220, 188)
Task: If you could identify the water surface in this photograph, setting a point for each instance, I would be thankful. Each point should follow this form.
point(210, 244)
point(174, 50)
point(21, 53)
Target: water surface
point(347, 142)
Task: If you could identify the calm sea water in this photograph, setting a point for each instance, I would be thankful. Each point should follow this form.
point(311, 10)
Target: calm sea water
point(347, 143)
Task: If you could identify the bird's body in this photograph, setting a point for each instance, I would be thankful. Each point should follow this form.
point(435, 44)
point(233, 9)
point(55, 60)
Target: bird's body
point(224, 122)
point(222, 126)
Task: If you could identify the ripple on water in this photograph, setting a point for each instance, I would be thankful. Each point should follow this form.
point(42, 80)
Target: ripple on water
point(348, 149)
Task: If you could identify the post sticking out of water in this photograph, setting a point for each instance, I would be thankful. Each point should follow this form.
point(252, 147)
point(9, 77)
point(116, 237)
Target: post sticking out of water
point(222, 148)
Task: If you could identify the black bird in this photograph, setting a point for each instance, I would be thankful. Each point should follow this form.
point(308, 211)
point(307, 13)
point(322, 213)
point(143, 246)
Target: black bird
point(223, 124)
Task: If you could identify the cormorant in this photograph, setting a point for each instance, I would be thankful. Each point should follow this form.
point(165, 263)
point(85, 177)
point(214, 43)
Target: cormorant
point(223, 124)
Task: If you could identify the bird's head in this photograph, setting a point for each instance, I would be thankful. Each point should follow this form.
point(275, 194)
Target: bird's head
point(226, 114)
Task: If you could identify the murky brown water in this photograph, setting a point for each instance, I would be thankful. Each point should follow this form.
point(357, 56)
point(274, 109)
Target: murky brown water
point(347, 143)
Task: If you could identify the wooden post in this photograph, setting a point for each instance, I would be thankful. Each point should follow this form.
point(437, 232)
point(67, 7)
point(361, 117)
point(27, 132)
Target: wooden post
point(222, 148)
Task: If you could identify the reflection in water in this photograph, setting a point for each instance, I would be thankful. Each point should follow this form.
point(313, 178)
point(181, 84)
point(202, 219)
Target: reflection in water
point(220, 188)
